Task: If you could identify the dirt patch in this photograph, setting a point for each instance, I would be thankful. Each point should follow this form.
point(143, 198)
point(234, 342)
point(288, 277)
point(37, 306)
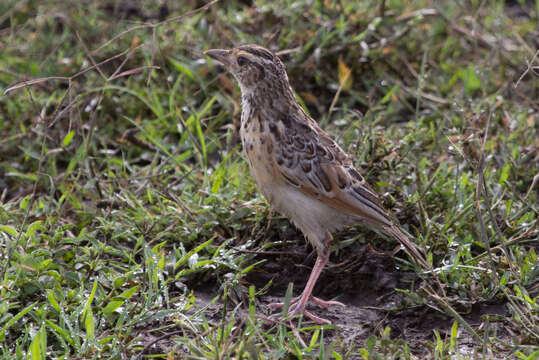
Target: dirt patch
point(365, 279)
point(366, 283)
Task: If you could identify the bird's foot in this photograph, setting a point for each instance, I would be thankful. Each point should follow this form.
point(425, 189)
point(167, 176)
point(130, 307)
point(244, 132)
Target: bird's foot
point(297, 310)
point(323, 303)
point(297, 307)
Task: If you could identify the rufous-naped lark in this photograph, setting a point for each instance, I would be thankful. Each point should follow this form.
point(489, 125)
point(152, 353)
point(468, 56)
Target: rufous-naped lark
point(299, 168)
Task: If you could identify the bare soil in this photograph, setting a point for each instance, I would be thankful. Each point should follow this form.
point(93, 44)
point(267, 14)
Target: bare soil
point(366, 281)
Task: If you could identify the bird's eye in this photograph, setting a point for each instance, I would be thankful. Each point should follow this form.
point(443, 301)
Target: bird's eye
point(242, 61)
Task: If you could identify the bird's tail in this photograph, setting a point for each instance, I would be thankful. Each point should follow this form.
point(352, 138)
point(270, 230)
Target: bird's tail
point(409, 247)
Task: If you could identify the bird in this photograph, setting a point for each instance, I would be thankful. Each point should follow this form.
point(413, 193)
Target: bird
point(299, 168)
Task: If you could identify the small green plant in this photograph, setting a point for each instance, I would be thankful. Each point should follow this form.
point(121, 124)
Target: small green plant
point(129, 224)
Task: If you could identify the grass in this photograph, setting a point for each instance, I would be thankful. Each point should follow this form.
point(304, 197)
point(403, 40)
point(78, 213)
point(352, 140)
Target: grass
point(129, 224)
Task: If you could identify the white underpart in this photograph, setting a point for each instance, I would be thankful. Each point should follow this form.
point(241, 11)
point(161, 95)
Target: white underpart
point(311, 216)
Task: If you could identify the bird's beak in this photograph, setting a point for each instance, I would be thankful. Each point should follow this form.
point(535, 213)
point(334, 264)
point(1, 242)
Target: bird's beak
point(220, 55)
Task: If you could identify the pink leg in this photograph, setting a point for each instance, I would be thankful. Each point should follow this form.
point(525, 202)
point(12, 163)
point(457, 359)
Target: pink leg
point(299, 304)
point(299, 307)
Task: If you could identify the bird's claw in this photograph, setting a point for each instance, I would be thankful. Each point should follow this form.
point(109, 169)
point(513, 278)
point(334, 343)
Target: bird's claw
point(297, 309)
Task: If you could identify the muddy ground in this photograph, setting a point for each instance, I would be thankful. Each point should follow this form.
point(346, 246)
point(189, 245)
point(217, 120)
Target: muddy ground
point(366, 281)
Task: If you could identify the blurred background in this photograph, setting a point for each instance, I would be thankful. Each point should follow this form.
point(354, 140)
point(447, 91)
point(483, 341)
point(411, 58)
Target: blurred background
point(129, 223)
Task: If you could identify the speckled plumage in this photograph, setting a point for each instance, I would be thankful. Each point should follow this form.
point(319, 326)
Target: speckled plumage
point(298, 167)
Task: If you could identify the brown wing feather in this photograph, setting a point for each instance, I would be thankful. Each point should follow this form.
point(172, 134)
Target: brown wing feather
point(309, 157)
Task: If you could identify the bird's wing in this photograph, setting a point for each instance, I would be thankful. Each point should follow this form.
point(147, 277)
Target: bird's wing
point(311, 160)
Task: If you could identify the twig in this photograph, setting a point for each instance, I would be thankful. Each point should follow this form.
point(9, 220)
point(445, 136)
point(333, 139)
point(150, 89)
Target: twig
point(26, 83)
point(338, 93)
point(421, 79)
point(534, 181)
point(528, 69)
point(154, 33)
point(413, 92)
point(155, 341)
point(133, 71)
point(482, 189)
point(520, 239)
point(421, 12)
point(127, 57)
point(445, 305)
point(146, 26)
point(89, 55)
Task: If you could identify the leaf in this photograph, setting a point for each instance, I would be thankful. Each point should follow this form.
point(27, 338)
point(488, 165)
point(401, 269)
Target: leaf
point(314, 338)
point(112, 306)
point(51, 296)
point(35, 348)
point(505, 173)
point(79, 156)
point(65, 334)
point(29, 177)
point(14, 319)
point(120, 300)
point(87, 314)
point(186, 257)
point(182, 68)
point(130, 292)
point(454, 334)
point(471, 81)
point(33, 227)
point(389, 95)
point(68, 138)
point(89, 324)
point(38, 347)
point(251, 267)
point(386, 333)
point(8, 229)
point(345, 75)
point(309, 97)
point(43, 340)
point(364, 353)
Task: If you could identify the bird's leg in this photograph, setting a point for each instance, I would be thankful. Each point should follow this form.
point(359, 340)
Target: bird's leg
point(298, 304)
point(299, 307)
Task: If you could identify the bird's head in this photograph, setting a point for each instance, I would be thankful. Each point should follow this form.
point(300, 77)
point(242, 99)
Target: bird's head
point(254, 67)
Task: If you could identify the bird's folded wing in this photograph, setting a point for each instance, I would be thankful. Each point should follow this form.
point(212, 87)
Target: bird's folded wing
point(309, 159)
point(317, 166)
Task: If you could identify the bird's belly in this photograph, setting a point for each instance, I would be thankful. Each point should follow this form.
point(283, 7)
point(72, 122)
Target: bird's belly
point(309, 214)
